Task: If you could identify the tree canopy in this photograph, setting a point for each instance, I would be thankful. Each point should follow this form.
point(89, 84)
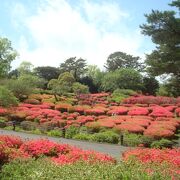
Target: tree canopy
point(122, 79)
point(7, 55)
point(120, 59)
point(75, 66)
point(164, 30)
point(47, 72)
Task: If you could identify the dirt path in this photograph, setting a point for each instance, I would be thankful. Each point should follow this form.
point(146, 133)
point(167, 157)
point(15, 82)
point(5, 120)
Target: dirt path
point(110, 149)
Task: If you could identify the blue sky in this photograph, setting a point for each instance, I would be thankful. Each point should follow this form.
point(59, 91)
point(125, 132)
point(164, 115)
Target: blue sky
point(46, 32)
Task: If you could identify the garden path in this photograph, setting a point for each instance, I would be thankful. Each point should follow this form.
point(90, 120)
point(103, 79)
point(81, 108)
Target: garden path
point(110, 149)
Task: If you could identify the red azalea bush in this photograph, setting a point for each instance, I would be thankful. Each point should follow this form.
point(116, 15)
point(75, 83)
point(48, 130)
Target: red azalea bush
point(37, 148)
point(158, 111)
point(95, 111)
point(138, 111)
point(142, 122)
point(10, 141)
point(3, 111)
point(130, 127)
point(113, 119)
point(145, 155)
point(82, 155)
point(106, 124)
point(9, 148)
point(118, 111)
point(178, 111)
point(13, 147)
point(150, 100)
point(158, 132)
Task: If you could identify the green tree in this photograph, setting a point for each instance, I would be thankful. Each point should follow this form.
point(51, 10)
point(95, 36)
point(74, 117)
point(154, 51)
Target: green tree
point(150, 85)
point(123, 79)
point(79, 88)
point(119, 60)
point(47, 72)
point(75, 66)
point(24, 85)
point(93, 78)
point(164, 30)
point(7, 55)
point(7, 98)
point(62, 85)
point(25, 68)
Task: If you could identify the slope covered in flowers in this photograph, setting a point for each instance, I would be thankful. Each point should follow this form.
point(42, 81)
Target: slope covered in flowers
point(154, 117)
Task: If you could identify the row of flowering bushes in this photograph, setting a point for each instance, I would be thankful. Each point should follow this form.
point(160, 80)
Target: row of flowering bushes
point(13, 147)
point(158, 124)
point(160, 100)
point(170, 156)
point(37, 158)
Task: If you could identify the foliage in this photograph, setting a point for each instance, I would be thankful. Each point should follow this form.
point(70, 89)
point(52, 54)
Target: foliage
point(163, 143)
point(62, 85)
point(25, 68)
point(118, 60)
point(88, 81)
point(75, 66)
point(55, 133)
point(24, 85)
point(7, 98)
point(150, 85)
point(165, 58)
point(162, 91)
point(44, 169)
point(83, 136)
point(7, 55)
point(71, 132)
point(47, 72)
point(106, 136)
point(130, 139)
point(79, 88)
point(122, 79)
point(120, 94)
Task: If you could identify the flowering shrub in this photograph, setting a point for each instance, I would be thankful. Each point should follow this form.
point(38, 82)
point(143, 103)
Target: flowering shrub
point(81, 155)
point(118, 111)
point(142, 122)
point(3, 111)
point(158, 132)
point(37, 148)
point(13, 147)
point(161, 112)
point(130, 127)
point(10, 141)
point(178, 111)
point(170, 156)
point(62, 107)
point(150, 100)
point(9, 148)
point(138, 111)
point(95, 111)
point(107, 124)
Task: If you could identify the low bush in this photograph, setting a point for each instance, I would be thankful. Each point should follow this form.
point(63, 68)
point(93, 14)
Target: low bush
point(71, 132)
point(107, 136)
point(28, 125)
point(163, 143)
point(55, 133)
point(83, 136)
point(130, 139)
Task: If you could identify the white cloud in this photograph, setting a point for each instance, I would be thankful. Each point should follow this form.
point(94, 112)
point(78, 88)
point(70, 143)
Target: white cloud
point(60, 31)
